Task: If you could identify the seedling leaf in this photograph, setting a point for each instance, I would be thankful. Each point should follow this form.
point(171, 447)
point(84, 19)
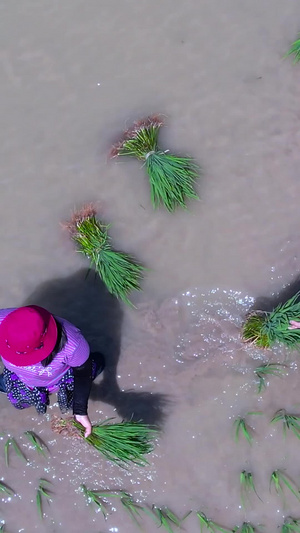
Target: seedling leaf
point(7, 490)
point(247, 487)
point(280, 480)
point(36, 442)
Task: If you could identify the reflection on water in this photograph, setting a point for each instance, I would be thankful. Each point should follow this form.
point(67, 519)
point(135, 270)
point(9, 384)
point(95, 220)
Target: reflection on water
point(215, 320)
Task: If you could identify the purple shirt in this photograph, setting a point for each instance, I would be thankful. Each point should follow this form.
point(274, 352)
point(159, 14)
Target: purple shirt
point(75, 352)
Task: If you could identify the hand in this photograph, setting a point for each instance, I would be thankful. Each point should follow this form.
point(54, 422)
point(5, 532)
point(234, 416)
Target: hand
point(294, 325)
point(86, 423)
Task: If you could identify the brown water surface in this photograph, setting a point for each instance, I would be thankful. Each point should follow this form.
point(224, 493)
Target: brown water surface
point(73, 75)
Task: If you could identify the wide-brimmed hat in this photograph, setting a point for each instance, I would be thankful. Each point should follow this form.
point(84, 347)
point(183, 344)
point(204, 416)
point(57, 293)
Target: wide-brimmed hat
point(27, 335)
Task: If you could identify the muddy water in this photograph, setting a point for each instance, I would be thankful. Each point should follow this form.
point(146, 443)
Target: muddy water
point(73, 75)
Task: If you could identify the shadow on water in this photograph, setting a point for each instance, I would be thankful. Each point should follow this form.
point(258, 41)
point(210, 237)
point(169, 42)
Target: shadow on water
point(83, 300)
point(265, 303)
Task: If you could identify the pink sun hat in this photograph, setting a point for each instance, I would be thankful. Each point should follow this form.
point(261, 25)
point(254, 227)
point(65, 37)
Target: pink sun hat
point(27, 335)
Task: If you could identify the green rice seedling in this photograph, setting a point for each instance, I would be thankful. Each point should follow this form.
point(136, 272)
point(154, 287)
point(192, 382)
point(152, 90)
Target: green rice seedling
point(268, 369)
point(36, 442)
point(279, 481)
point(247, 487)
point(291, 525)
point(166, 518)
point(295, 51)
point(93, 498)
point(120, 272)
point(172, 178)
point(11, 442)
point(289, 421)
point(133, 509)
point(42, 493)
point(206, 524)
point(242, 428)
point(246, 527)
point(7, 490)
point(123, 443)
point(98, 497)
point(264, 329)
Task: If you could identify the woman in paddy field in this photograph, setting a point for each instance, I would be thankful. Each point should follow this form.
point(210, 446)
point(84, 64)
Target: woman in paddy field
point(43, 354)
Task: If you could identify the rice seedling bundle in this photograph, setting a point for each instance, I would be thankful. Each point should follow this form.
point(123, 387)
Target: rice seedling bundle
point(119, 271)
point(122, 443)
point(172, 178)
point(264, 329)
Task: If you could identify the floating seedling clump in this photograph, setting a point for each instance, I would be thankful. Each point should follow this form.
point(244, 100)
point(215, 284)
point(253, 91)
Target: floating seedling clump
point(172, 178)
point(123, 443)
point(264, 329)
point(120, 272)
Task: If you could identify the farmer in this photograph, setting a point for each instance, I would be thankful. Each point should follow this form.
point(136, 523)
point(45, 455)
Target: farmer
point(42, 354)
